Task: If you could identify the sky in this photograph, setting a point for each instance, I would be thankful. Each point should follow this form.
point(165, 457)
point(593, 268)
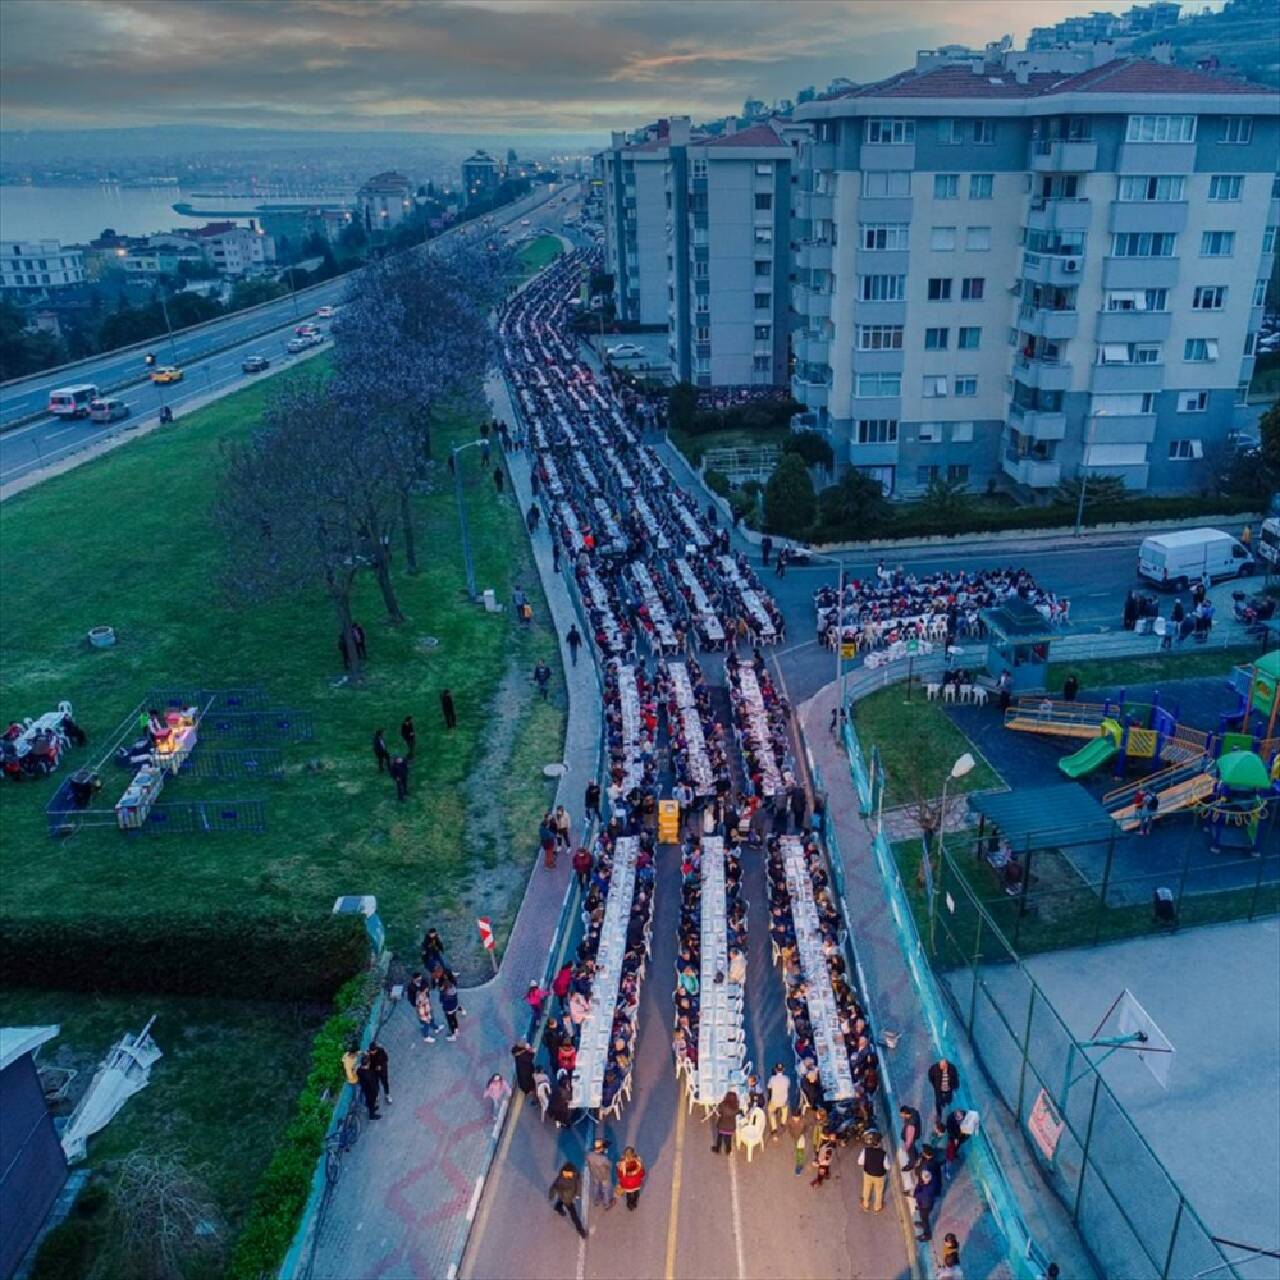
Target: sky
point(519, 66)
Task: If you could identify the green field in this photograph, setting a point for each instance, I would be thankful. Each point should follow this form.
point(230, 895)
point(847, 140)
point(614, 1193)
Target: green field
point(126, 540)
point(538, 253)
point(1120, 672)
point(695, 446)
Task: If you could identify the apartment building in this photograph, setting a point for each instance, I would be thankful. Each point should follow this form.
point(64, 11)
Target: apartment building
point(235, 250)
point(481, 175)
point(30, 268)
point(697, 234)
point(1024, 270)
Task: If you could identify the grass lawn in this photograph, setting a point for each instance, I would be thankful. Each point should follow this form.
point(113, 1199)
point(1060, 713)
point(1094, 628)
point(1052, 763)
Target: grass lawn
point(1122, 672)
point(693, 447)
point(538, 252)
point(225, 1086)
point(918, 743)
point(126, 540)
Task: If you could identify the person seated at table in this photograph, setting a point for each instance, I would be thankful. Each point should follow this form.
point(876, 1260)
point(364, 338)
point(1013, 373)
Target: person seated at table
point(811, 1087)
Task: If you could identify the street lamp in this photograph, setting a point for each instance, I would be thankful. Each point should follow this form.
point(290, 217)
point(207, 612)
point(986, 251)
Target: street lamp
point(961, 767)
point(462, 514)
point(173, 349)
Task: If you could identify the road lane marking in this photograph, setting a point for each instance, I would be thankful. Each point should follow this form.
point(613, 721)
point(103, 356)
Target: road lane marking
point(475, 1198)
point(481, 1211)
point(673, 1218)
point(737, 1213)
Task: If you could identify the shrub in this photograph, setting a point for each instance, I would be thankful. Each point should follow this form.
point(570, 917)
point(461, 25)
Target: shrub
point(216, 954)
point(788, 498)
point(682, 406)
point(66, 1252)
point(281, 1193)
point(814, 449)
point(718, 482)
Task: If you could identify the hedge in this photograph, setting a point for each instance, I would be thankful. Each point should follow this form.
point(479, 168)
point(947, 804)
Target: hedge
point(213, 954)
point(281, 1193)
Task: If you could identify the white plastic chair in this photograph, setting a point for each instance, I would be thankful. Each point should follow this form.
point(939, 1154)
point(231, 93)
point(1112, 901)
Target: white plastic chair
point(931, 692)
point(966, 693)
point(750, 1132)
point(948, 693)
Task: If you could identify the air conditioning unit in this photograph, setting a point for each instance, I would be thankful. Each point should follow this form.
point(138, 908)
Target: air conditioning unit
point(1071, 265)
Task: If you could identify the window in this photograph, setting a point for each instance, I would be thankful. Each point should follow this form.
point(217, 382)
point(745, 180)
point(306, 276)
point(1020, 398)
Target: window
point(882, 288)
point(1200, 350)
point(873, 385)
point(1146, 353)
point(1129, 353)
point(1143, 244)
point(929, 433)
point(879, 337)
point(1225, 186)
point(762, 364)
point(1136, 187)
point(970, 338)
point(884, 130)
point(763, 301)
point(764, 235)
point(951, 131)
point(958, 472)
point(1059, 186)
point(939, 288)
point(764, 169)
point(1193, 401)
point(934, 387)
point(1217, 244)
point(1250, 343)
point(977, 238)
point(1058, 243)
point(1185, 450)
point(763, 332)
point(942, 239)
point(1237, 128)
point(764, 267)
point(946, 186)
point(1242, 393)
point(1208, 297)
point(1161, 129)
point(886, 182)
point(883, 235)
point(701, 269)
point(982, 132)
point(966, 386)
point(1137, 300)
point(936, 339)
point(1269, 240)
point(877, 430)
point(1259, 292)
point(981, 185)
point(764, 200)
point(926, 475)
point(972, 288)
point(1124, 405)
point(954, 132)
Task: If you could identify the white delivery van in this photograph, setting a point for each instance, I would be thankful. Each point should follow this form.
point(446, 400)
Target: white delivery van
point(72, 402)
point(1175, 560)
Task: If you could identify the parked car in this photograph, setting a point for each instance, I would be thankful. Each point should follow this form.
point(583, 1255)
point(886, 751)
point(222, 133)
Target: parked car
point(255, 364)
point(166, 373)
point(1175, 560)
point(108, 410)
point(625, 351)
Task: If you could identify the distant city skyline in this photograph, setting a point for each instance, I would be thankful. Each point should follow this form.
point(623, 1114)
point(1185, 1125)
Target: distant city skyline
point(480, 66)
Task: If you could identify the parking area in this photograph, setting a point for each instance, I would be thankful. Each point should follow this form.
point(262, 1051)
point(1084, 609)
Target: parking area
point(652, 359)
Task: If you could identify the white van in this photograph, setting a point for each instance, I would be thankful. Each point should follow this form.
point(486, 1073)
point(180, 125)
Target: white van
point(1175, 560)
point(72, 402)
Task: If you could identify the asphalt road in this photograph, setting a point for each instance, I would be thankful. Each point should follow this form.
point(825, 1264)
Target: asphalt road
point(264, 332)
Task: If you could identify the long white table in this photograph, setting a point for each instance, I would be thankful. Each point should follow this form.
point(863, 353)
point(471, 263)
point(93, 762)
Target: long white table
point(662, 628)
point(757, 731)
point(632, 727)
point(720, 1032)
point(707, 621)
point(597, 1026)
point(659, 540)
point(750, 598)
point(828, 1044)
point(695, 743)
point(598, 598)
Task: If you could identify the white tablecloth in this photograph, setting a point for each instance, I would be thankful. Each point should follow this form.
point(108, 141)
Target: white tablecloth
point(757, 730)
point(750, 598)
point(708, 622)
point(719, 1019)
point(663, 631)
point(695, 743)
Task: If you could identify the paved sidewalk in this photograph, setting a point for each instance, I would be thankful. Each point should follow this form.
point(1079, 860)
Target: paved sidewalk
point(896, 1006)
point(409, 1189)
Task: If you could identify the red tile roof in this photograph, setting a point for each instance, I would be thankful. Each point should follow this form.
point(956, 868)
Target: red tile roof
point(1141, 75)
point(758, 135)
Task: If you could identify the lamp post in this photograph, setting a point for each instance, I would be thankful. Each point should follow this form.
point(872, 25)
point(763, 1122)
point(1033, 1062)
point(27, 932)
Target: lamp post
point(173, 348)
point(961, 767)
point(462, 515)
point(1084, 477)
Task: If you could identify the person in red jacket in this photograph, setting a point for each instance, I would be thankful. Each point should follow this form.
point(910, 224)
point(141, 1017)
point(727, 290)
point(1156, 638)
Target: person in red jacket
point(560, 984)
point(582, 866)
point(631, 1176)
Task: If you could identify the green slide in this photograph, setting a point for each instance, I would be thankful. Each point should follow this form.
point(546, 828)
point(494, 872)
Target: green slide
point(1093, 755)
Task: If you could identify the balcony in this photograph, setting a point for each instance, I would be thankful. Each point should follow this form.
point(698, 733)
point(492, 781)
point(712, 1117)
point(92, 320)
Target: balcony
point(1139, 273)
point(1126, 377)
point(1156, 157)
point(813, 395)
point(1043, 375)
point(821, 205)
point(1133, 326)
point(1059, 155)
point(814, 255)
point(1035, 473)
point(1129, 428)
point(822, 155)
point(1038, 425)
point(1059, 215)
point(807, 302)
point(1046, 322)
point(1149, 215)
point(1053, 268)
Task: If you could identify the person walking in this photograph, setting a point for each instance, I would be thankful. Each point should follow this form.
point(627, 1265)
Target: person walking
point(591, 804)
point(950, 1269)
point(452, 1007)
point(601, 1169)
point(399, 771)
point(380, 752)
point(726, 1123)
point(778, 1107)
point(822, 1159)
point(497, 1091)
point(497, 479)
point(1004, 691)
point(542, 1090)
point(944, 1080)
point(875, 1169)
point(766, 547)
point(426, 1019)
point(582, 866)
point(447, 708)
point(380, 1065)
point(798, 1131)
point(357, 635)
point(410, 735)
point(1147, 815)
point(542, 678)
point(368, 1084)
point(1070, 687)
point(910, 1130)
point(522, 1054)
point(574, 641)
point(631, 1176)
point(564, 1194)
point(926, 1197)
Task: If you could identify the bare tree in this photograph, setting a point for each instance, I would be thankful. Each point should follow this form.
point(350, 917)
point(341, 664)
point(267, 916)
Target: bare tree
point(161, 1224)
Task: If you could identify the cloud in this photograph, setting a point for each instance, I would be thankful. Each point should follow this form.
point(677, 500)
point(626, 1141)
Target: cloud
point(456, 65)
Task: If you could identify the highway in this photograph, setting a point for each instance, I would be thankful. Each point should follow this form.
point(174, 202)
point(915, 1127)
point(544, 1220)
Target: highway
point(210, 356)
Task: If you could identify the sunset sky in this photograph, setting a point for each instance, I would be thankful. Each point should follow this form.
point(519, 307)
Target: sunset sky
point(459, 65)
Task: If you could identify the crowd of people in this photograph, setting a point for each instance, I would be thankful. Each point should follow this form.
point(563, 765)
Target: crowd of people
point(761, 721)
point(893, 605)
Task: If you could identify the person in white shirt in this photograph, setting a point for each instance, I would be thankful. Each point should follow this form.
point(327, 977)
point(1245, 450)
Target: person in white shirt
point(779, 1087)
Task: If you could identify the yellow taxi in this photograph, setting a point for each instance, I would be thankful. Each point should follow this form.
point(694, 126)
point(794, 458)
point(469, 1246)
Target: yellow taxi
point(166, 373)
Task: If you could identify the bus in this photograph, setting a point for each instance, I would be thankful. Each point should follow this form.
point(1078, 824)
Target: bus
point(72, 402)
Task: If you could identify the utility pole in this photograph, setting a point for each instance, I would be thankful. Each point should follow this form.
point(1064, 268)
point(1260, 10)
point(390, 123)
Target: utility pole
point(462, 516)
point(173, 349)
